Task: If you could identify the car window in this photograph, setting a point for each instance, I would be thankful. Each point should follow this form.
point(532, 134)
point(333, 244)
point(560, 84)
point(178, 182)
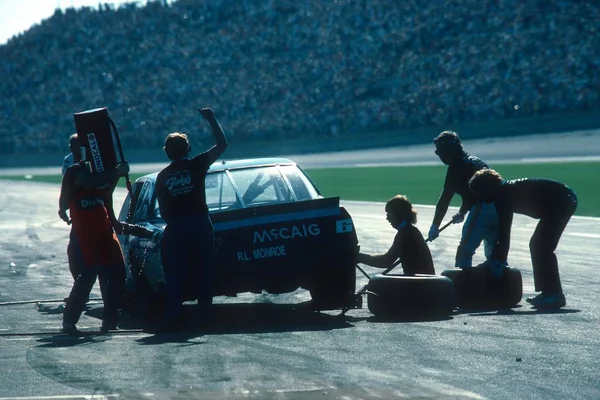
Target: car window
point(130, 201)
point(143, 202)
point(302, 187)
point(261, 185)
point(220, 194)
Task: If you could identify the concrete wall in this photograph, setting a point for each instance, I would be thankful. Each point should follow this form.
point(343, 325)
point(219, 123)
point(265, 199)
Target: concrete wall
point(249, 149)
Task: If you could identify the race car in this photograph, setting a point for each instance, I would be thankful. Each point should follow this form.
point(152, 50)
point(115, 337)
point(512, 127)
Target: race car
point(273, 232)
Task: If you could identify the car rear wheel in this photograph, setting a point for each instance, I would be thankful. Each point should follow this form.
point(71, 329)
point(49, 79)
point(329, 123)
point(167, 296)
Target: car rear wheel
point(148, 302)
point(477, 288)
point(333, 289)
point(394, 296)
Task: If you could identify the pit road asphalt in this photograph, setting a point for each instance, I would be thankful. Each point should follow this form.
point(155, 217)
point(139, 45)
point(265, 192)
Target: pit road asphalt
point(261, 347)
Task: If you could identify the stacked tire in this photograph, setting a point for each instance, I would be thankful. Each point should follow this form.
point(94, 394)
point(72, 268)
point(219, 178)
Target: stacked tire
point(477, 288)
point(420, 297)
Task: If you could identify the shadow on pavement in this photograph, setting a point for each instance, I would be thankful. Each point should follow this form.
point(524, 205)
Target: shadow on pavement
point(405, 319)
point(515, 311)
point(242, 318)
point(63, 340)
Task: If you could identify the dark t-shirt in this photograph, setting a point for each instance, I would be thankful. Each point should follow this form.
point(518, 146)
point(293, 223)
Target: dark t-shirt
point(535, 197)
point(458, 175)
point(180, 188)
point(412, 251)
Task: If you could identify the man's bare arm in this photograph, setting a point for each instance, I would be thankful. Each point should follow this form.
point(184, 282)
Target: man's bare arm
point(215, 152)
point(64, 200)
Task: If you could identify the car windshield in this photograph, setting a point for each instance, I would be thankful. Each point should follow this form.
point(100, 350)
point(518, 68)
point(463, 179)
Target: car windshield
point(246, 187)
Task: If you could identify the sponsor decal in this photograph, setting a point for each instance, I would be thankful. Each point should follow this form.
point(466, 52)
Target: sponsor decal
point(268, 252)
point(91, 202)
point(179, 183)
point(273, 219)
point(344, 226)
point(262, 252)
point(95, 149)
point(296, 231)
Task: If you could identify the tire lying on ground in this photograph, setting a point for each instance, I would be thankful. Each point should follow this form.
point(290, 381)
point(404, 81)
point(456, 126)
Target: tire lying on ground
point(410, 296)
point(477, 288)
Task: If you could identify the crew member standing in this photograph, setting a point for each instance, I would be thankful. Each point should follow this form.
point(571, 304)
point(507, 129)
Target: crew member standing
point(550, 201)
point(74, 254)
point(75, 153)
point(88, 197)
point(188, 243)
point(481, 223)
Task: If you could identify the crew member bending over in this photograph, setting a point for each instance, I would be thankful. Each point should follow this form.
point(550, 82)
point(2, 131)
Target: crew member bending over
point(408, 247)
point(481, 223)
point(553, 203)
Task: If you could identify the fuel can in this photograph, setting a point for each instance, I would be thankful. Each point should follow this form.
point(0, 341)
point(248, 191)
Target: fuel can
point(98, 140)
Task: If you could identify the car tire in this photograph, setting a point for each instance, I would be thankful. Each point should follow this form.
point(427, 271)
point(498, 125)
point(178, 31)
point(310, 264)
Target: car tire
point(394, 296)
point(477, 288)
point(148, 303)
point(334, 289)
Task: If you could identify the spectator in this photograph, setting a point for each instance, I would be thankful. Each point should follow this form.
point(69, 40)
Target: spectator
point(298, 70)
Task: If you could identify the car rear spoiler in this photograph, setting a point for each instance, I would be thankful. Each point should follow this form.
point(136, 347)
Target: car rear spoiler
point(265, 214)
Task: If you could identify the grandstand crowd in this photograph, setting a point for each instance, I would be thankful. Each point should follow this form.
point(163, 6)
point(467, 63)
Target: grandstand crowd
point(281, 69)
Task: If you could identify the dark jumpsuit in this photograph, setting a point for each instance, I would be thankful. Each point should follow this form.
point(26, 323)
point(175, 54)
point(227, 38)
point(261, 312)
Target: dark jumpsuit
point(188, 243)
point(102, 254)
point(481, 222)
point(553, 203)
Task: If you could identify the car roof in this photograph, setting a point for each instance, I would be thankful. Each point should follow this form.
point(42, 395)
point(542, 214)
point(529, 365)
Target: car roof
point(223, 165)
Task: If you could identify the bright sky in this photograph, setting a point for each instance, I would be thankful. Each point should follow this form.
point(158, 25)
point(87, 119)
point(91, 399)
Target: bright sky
point(16, 16)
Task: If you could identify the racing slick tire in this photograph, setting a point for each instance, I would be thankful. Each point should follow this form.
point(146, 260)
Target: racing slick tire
point(392, 296)
point(477, 288)
point(146, 302)
point(334, 289)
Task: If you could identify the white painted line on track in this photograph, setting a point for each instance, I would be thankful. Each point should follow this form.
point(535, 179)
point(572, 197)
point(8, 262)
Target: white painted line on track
point(559, 159)
point(361, 202)
point(67, 397)
point(394, 164)
point(585, 235)
point(525, 160)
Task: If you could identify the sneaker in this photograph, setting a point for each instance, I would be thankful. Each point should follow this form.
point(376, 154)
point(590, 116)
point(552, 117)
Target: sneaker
point(70, 329)
point(532, 300)
point(548, 301)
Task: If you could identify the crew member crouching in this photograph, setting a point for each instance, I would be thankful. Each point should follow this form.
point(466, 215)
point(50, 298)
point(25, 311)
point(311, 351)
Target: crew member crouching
point(409, 247)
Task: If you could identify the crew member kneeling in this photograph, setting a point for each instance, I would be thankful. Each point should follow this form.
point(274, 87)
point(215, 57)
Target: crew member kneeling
point(409, 246)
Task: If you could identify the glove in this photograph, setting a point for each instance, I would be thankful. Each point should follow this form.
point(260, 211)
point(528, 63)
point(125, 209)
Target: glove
point(458, 218)
point(63, 215)
point(496, 267)
point(434, 232)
